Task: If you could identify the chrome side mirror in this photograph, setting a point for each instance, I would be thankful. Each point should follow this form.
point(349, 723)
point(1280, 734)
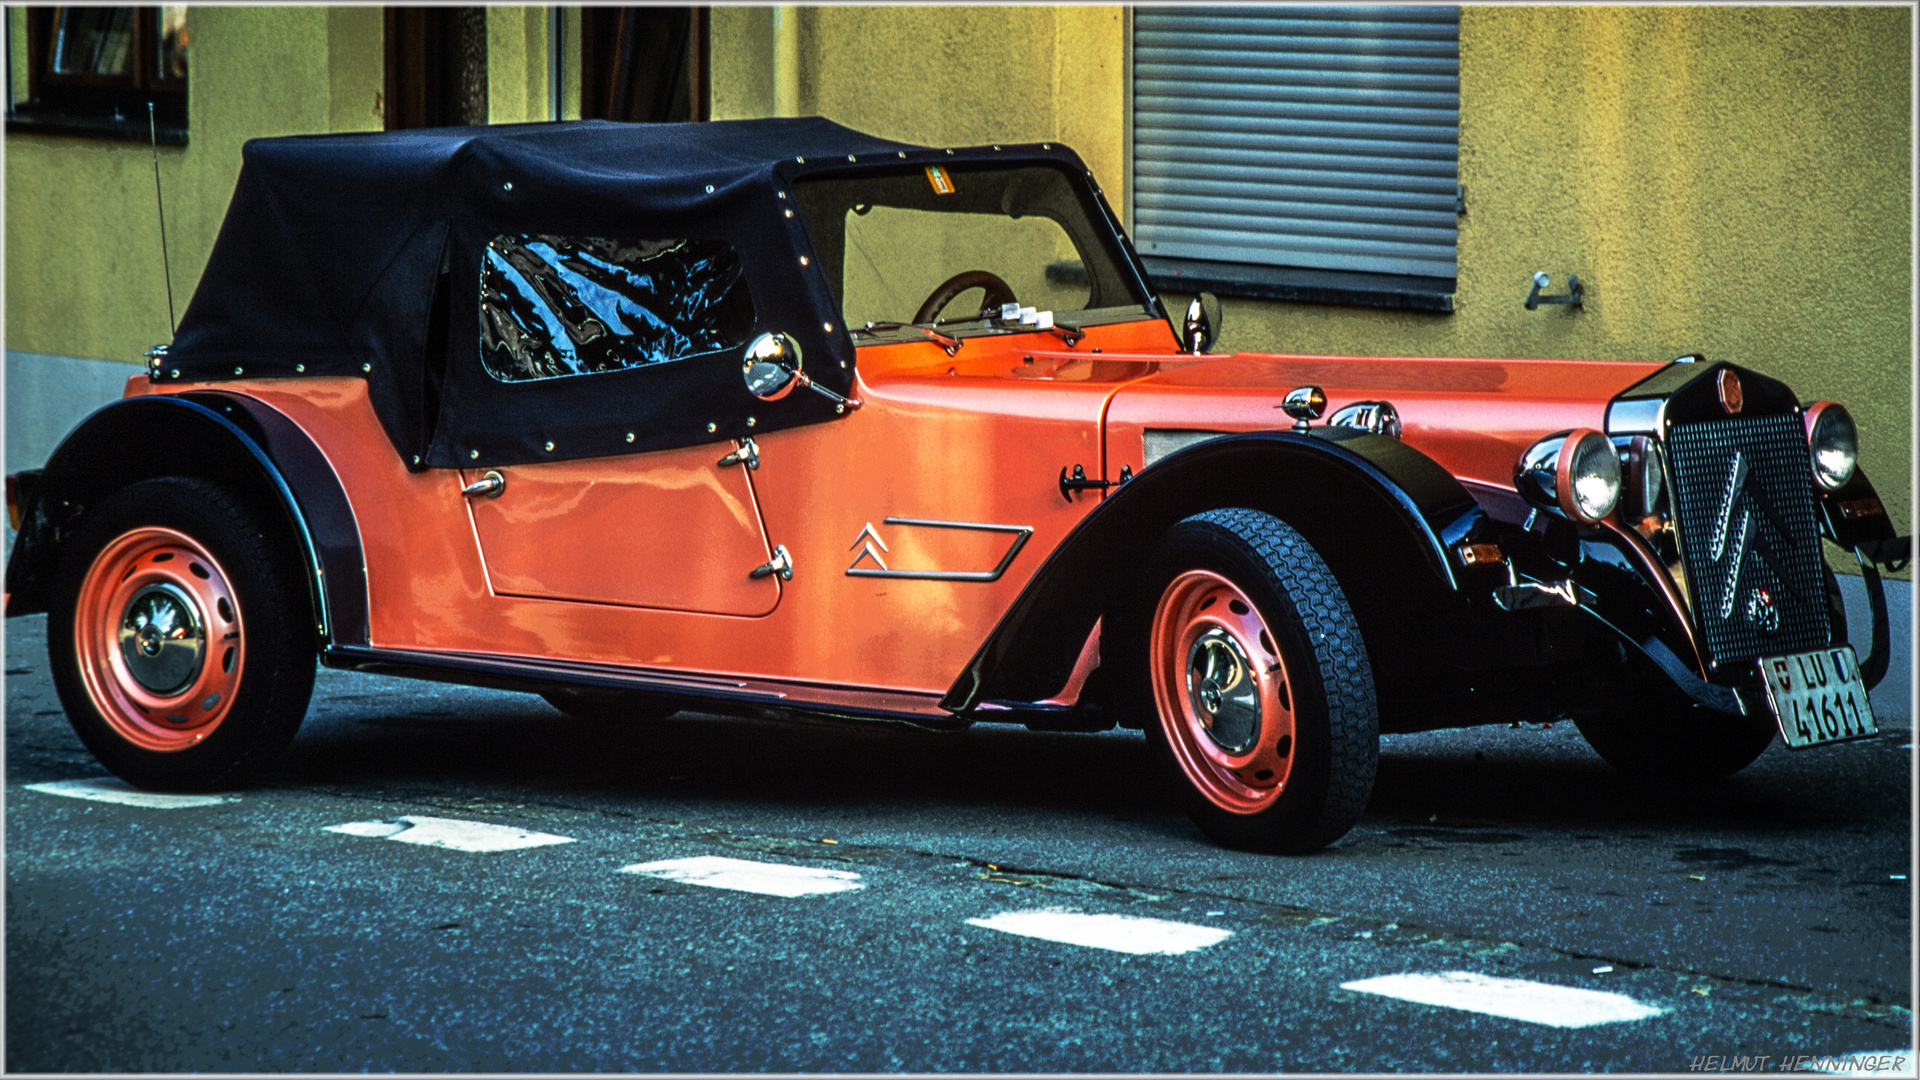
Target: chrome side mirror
point(771, 368)
point(1202, 326)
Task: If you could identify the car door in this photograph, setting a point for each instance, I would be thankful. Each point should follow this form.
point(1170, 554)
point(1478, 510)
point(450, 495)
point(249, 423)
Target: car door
point(671, 529)
point(579, 330)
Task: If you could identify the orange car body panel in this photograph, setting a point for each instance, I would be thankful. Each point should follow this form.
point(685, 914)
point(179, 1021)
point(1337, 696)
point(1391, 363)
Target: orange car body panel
point(670, 529)
point(1472, 416)
point(640, 562)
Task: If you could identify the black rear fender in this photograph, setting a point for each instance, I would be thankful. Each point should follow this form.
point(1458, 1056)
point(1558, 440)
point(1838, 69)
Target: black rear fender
point(1386, 518)
point(233, 440)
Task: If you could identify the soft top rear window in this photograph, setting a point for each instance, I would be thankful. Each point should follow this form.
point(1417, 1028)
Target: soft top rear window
point(553, 306)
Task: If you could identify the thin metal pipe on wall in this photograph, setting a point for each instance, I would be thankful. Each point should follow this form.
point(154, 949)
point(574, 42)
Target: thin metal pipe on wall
point(786, 61)
point(556, 39)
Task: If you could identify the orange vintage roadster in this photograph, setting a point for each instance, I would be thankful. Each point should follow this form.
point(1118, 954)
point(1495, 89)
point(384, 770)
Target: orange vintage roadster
point(774, 418)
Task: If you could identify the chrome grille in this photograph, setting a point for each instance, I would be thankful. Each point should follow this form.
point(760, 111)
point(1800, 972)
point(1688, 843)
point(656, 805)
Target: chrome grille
point(1744, 503)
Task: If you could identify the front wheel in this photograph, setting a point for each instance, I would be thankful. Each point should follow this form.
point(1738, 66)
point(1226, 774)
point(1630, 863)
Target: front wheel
point(1261, 686)
point(180, 637)
point(1658, 740)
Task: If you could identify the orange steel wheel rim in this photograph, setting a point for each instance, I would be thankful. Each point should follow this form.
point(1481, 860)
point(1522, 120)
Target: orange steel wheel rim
point(158, 636)
point(1222, 693)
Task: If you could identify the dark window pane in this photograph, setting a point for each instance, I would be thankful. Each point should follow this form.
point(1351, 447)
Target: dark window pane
point(643, 64)
point(436, 67)
point(552, 306)
point(94, 41)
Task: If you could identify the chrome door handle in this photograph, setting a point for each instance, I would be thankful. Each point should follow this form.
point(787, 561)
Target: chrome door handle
point(782, 565)
point(748, 453)
point(490, 485)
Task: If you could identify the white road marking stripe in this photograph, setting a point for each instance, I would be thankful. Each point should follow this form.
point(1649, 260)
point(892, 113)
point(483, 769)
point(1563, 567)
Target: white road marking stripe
point(450, 833)
point(1864, 1063)
point(743, 875)
point(110, 790)
point(1516, 999)
point(1120, 933)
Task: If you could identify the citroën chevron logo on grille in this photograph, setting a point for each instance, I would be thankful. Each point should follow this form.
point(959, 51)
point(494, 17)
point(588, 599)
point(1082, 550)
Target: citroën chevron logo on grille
point(1732, 542)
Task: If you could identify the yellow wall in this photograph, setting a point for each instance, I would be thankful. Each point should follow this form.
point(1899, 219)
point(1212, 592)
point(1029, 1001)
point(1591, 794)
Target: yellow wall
point(83, 274)
point(517, 72)
point(1732, 181)
point(83, 243)
point(950, 76)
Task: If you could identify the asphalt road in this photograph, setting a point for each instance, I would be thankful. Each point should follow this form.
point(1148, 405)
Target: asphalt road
point(1767, 916)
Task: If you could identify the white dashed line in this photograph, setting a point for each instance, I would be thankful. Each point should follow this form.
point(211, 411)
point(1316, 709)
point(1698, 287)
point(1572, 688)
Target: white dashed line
point(1120, 933)
point(450, 833)
point(742, 875)
point(1863, 1063)
point(1515, 999)
point(110, 790)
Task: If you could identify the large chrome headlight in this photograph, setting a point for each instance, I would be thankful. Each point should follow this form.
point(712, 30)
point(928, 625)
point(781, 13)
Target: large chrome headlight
point(1576, 471)
point(1834, 443)
point(1378, 417)
point(1646, 472)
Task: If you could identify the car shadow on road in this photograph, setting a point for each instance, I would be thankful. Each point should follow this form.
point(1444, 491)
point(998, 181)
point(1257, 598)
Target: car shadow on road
point(526, 743)
point(1525, 779)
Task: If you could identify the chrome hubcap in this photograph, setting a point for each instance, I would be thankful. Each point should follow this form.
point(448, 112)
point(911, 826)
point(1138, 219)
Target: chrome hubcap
point(1225, 696)
point(163, 638)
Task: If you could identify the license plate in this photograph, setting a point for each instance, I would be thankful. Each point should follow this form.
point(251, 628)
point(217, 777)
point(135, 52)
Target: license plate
point(1818, 697)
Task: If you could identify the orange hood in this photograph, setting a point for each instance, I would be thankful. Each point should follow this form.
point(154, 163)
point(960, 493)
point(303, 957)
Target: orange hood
point(1472, 416)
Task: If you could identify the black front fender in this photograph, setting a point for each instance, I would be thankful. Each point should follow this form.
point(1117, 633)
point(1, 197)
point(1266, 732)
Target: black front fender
point(228, 438)
point(1386, 518)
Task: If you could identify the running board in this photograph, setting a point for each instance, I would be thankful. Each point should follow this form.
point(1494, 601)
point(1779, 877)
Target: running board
point(738, 695)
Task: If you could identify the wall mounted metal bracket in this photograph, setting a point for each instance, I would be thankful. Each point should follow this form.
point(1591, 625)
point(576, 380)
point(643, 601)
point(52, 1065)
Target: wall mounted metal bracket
point(1572, 296)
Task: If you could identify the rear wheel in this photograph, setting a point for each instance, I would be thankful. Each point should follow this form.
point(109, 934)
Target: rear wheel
point(1262, 692)
point(180, 637)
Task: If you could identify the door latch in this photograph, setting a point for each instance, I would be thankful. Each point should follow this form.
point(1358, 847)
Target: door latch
point(489, 486)
point(1079, 482)
point(782, 564)
point(748, 453)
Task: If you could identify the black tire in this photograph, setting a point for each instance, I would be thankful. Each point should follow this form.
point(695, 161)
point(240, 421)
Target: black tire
point(612, 707)
point(213, 684)
point(1282, 760)
point(1663, 741)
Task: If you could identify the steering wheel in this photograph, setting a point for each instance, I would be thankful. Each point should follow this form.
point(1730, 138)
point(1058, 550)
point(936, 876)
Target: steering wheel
point(998, 293)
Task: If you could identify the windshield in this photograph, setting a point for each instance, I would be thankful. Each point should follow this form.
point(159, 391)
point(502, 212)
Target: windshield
point(889, 242)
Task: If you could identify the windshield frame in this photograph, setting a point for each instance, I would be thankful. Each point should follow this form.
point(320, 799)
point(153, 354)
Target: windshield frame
point(1098, 235)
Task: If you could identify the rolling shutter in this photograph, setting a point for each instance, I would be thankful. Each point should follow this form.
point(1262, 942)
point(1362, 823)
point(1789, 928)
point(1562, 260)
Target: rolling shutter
point(1324, 138)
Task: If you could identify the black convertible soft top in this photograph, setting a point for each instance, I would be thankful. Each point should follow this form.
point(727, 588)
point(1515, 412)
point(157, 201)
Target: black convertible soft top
point(359, 255)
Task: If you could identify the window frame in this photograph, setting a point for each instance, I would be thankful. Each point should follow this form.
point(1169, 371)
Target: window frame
point(96, 106)
point(818, 216)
